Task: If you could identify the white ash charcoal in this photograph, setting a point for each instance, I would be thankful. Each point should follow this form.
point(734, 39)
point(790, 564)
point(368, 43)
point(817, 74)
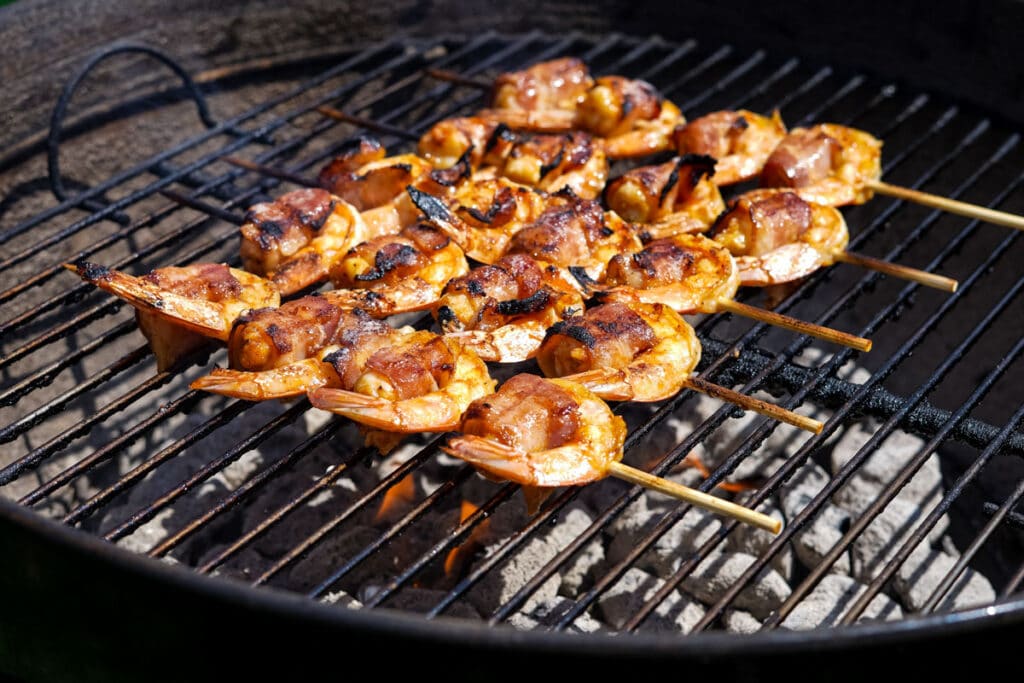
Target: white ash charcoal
point(580, 566)
point(740, 621)
point(726, 438)
point(672, 547)
point(827, 525)
point(820, 536)
point(829, 600)
point(422, 600)
point(676, 613)
point(884, 537)
point(147, 535)
point(341, 599)
point(502, 582)
point(546, 613)
point(920, 575)
point(883, 466)
point(715, 575)
point(752, 540)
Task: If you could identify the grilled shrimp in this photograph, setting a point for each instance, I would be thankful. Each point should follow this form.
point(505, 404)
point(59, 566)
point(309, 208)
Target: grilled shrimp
point(689, 273)
point(501, 311)
point(483, 216)
point(397, 273)
point(740, 141)
point(419, 382)
point(624, 350)
point(178, 308)
point(670, 198)
point(294, 239)
point(576, 234)
point(826, 164)
point(278, 353)
point(541, 433)
point(375, 183)
point(546, 162)
point(778, 237)
point(556, 84)
point(629, 115)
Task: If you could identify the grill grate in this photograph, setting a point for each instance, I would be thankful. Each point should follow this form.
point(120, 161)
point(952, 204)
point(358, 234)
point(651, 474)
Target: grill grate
point(63, 348)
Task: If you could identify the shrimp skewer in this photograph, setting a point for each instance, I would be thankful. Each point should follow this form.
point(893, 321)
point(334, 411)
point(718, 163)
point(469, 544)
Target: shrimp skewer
point(418, 382)
point(826, 163)
point(740, 141)
point(503, 311)
point(670, 198)
point(178, 309)
point(283, 352)
point(547, 433)
point(694, 274)
point(626, 350)
point(778, 237)
point(628, 116)
point(397, 273)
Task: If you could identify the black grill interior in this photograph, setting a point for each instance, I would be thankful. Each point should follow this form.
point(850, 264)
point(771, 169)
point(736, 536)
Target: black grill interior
point(98, 439)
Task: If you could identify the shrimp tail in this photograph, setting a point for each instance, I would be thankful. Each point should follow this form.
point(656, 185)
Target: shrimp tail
point(200, 316)
point(493, 457)
point(287, 381)
point(433, 412)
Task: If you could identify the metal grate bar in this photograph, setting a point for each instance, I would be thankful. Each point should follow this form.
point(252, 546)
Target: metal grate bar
point(208, 470)
point(299, 550)
point(982, 536)
point(23, 424)
point(908, 471)
point(222, 128)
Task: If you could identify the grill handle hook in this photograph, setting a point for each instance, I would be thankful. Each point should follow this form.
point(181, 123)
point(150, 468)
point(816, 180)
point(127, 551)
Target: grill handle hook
point(59, 111)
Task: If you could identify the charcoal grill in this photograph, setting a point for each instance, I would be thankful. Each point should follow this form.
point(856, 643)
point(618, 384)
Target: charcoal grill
point(92, 498)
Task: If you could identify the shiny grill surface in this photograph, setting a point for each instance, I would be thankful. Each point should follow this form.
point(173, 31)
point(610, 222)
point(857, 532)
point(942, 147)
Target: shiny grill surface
point(96, 437)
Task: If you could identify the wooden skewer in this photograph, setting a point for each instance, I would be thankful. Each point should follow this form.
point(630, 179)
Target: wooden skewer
point(694, 496)
point(368, 124)
point(794, 324)
point(757, 405)
point(980, 213)
point(903, 272)
point(270, 171)
point(453, 77)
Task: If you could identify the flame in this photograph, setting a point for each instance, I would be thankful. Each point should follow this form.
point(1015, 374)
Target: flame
point(400, 494)
point(693, 460)
point(458, 555)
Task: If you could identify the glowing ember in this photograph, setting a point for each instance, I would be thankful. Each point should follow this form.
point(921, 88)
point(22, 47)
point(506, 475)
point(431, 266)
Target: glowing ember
point(396, 498)
point(458, 555)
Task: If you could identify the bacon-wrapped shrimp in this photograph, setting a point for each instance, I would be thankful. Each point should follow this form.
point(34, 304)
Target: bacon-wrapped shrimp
point(502, 311)
point(294, 239)
point(375, 184)
point(179, 308)
point(418, 382)
point(623, 350)
point(576, 234)
point(278, 353)
point(397, 273)
point(669, 198)
point(690, 273)
point(827, 164)
point(553, 85)
point(778, 237)
point(740, 141)
point(630, 116)
point(541, 433)
point(546, 162)
point(483, 216)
